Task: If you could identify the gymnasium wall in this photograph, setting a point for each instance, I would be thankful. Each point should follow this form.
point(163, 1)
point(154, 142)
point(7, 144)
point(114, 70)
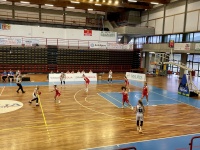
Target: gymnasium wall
point(47, 32)
point(171, 18)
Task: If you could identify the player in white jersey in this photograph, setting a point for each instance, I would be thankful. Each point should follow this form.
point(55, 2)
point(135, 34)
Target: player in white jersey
point(110, 76)
point(36, 92)
point(139, 115)
point(62, 78)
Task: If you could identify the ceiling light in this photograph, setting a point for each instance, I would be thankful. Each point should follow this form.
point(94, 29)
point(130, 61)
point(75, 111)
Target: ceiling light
point(116, 2)
point(97, 0)
point(97, 4)
point(75, 2)
point(24, 2)
point(109, 1)
point(48, 5)
point(70, 7)
point(104, 1)
point(91, 0)
point(3, 0)
point(134, 1)
point(155, 3)
point(90, 9)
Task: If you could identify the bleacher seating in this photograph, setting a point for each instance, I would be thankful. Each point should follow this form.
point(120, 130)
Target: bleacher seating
point(37, 60)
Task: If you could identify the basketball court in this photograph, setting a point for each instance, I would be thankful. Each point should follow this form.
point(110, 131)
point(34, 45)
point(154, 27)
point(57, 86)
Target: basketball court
point(95, 120)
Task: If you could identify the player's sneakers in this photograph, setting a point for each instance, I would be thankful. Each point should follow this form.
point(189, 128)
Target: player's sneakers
point(36, 104)
point(30, 102)
point(132, 107)
point(122, 106)
point(138, 129)
point(59, 102)
point(147, 103)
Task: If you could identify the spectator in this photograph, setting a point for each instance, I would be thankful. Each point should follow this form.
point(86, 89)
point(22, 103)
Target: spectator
point(10, 75)
point(4, 76)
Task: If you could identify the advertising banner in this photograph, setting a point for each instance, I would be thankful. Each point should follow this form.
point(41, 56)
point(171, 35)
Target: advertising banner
point(171, 43)
point(55, 77)
point(107, 34)
point(197, 46)
point(87, 32)
point(10, 41)
point(182, 46)
point(136, 76)
point(98, 45)
point(183, 87)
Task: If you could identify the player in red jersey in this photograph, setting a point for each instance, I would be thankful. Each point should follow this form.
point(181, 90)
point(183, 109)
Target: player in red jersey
point(126, 83)
point(125, 97)
point(87, 82)
point(57, 93)
point(145, 92)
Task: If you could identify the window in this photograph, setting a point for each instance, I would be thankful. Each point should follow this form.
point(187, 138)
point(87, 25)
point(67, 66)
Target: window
point(190, 58)
point(196, 58)
point(197, 37)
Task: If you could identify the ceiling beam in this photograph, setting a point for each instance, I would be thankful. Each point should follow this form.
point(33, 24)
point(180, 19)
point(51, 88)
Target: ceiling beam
point(157, 1)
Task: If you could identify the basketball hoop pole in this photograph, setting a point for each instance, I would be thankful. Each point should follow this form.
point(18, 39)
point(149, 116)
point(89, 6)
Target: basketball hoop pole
point(171, 54)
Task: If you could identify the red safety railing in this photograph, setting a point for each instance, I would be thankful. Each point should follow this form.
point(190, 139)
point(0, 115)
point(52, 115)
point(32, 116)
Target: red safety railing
point(191, 142)
point(66, 43)
point(128, 148)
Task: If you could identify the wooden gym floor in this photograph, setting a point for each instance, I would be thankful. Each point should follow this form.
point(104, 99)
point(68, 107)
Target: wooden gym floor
point(84, 120)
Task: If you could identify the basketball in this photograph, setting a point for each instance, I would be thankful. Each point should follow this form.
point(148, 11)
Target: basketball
point(39, 93)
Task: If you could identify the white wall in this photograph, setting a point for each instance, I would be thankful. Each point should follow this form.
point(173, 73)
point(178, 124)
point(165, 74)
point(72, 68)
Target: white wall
point(169, 24)
point(192, 21)
point(178, 23)
point(42, 33)
point(175, 10)
point(159, 26)
point(174, 17)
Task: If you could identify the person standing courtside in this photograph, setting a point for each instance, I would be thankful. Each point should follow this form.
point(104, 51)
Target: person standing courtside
point(110, 76)
point(10, 76)
point(62, 78)
point(18, 82)
point(4, 76)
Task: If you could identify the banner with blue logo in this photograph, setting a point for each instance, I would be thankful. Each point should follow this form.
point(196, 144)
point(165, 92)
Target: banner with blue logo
point(183, 87)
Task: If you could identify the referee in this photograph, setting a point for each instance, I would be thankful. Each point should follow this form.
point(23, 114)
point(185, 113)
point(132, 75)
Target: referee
point(18, 82)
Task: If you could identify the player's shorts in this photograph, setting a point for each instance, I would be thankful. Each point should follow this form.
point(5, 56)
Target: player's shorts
point(139, 117)
point(125, 100)
point(144, 94)
point(57, 95)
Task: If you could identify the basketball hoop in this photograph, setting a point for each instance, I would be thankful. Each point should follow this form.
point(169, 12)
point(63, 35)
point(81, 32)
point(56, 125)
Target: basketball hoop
point(153, 63)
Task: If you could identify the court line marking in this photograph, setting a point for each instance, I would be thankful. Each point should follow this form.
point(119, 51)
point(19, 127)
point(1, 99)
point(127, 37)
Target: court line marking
point(149, 100)
point(175, 100)
point(154, 122)
point(144, 141)
point(93, 109)
point(115, 98)
point(167, 96)
point(2, 90)
point(108, 100)
point(89, 96)
point(44, 118)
